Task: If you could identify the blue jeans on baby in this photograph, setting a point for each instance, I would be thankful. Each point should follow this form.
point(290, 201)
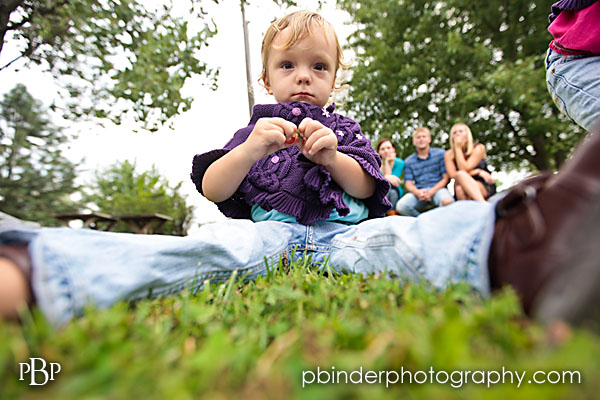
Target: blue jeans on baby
point(574, 84)
point(410, 205)
point(73, 268)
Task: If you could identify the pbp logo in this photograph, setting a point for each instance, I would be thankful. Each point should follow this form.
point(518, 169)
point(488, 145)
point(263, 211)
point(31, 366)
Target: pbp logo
point(32, 368)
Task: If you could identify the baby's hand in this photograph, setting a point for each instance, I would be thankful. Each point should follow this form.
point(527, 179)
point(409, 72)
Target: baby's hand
point(319, 144)
point(268, 136)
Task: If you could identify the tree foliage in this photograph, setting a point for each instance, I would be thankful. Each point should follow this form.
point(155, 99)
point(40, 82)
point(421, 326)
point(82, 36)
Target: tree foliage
point(35, 179)
point(113, 57)
point(435, 63)
point(120, 190)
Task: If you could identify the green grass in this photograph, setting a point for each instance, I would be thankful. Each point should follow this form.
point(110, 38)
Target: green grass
point(254, 340)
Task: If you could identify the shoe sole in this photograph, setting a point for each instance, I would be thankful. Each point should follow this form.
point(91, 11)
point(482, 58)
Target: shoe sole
point(573, 294)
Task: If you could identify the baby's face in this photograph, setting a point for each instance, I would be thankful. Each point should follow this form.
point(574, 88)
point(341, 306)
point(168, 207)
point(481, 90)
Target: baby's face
point(304, 72)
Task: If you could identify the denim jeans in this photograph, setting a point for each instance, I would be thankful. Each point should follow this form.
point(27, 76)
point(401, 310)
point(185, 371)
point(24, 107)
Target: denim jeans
point(574, 84)
point(410, 205)
point(393, 196)
point(73, 268)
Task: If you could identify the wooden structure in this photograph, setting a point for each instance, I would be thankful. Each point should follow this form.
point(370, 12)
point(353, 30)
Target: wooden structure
point(145, 223)
point(138, 223)
point(91, 220)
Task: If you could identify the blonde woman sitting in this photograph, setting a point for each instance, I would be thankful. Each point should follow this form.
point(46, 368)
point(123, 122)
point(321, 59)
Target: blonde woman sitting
point(465, 163)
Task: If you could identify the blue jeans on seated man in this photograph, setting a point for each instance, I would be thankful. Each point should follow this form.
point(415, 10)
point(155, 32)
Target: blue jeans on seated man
point(574, 84)
point(410, 205)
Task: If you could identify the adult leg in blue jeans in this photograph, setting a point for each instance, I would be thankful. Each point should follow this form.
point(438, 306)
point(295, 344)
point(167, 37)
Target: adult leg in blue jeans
point(541, 238)
point(409, 205)
point(393, 196)
point(574, 84)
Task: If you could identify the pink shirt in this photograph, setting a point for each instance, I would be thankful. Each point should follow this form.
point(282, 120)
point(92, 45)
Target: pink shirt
point(577, 31)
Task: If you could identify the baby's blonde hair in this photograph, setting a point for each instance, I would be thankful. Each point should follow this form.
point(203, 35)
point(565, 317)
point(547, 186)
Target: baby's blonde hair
point(302, 25)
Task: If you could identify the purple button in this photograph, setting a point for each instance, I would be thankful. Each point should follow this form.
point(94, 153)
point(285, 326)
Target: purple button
point(275, 159)
point(296, 111)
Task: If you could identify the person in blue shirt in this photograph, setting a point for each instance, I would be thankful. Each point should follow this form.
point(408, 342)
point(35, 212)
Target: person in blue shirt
point(425, 177)
point(391, 168)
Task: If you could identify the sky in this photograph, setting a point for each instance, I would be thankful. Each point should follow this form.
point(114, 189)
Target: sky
point(214, 115)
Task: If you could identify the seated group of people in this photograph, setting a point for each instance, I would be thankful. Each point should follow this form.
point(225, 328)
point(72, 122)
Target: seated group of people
point(428, 171)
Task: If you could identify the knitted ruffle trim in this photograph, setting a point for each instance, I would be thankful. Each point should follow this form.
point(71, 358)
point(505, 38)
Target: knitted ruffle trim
point(318, 182)
point(377, 204)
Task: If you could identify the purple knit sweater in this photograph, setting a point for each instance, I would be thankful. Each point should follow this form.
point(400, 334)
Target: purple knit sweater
point(568, 5)
point(290, 183)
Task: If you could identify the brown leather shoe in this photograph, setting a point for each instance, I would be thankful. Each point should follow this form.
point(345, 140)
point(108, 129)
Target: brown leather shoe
point(546, 241)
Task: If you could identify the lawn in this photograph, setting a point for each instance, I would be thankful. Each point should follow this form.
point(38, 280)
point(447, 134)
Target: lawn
point(270, 338)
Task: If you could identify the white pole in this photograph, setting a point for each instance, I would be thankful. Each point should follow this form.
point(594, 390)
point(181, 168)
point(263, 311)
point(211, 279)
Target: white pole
point(248, 71)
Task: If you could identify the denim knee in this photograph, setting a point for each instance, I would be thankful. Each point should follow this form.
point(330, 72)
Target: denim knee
point(406, 205)
point(574, 85)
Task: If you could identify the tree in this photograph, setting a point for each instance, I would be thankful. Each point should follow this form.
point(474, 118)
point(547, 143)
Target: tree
point(35, 179)
point(435, 63)
point(112, 56)
point(120, 190)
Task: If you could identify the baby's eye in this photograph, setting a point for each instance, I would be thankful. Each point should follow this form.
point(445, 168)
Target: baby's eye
point(287, 65)
point(321, 67)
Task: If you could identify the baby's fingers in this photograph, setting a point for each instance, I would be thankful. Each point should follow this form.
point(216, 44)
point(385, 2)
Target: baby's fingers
point(319, 140)
point(294, 137)
point(290, 130)
point(308, 127)
point(303, 124)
